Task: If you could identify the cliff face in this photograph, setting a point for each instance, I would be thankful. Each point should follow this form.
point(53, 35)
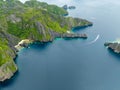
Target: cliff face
point(7, 70)
point(115, 46)
point(35, 21)
point(7, 53)
point(41, 25)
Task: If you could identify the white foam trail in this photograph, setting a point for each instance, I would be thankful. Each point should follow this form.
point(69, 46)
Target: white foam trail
point(95, 39)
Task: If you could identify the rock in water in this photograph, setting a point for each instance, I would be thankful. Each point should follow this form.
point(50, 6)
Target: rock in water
point(71, 7)
point(115, 46)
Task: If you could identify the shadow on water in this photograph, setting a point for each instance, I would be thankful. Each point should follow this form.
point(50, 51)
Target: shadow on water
point(114, 54)
point(41, 45)
point(13, 79)
point(80, 28)
point(9, 82)
point(74, 39)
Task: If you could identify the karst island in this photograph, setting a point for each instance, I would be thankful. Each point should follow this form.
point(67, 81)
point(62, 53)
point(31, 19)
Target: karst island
point(29, 22)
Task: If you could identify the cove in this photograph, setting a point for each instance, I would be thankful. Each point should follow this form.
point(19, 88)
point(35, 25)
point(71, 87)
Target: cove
point(74, 64)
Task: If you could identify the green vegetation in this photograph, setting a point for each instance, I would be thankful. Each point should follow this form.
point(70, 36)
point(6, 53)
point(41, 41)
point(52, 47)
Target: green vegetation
point(32, 20)
point(20, 19)
point(49, 8)
point(5, 51)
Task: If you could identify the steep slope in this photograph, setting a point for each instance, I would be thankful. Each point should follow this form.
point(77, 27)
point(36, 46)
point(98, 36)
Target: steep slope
point(7, 54)
point(34, 20)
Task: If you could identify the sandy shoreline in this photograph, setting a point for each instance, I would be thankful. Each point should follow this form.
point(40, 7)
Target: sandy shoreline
point(23, 43)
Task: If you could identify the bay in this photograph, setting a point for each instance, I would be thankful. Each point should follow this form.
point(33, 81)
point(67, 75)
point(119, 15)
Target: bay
point(75, 64)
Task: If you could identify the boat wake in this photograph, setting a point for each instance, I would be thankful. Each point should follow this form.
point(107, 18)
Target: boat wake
point(94, 39)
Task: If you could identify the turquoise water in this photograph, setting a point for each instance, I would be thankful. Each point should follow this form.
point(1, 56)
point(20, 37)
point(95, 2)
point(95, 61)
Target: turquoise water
point(75, 64)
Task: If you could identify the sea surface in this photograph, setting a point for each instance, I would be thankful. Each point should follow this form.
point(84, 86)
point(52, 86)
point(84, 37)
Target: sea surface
point(75, 64)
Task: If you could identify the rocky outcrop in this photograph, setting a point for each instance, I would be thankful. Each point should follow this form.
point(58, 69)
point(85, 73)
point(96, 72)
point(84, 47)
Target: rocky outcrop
point(12, 40)
point(41, 29)
point(53, 34)
point(74, 35)
point(68, 7)
point(65, 7)
point(115, 46)
point(22, 24)
point(71, 7)
point(7, 54)
point(13, 18)
point(7, 70)
point(79, 23)
point(69, 35)
point(23, 43)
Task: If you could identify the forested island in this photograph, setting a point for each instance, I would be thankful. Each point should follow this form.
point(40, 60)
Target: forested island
point(24, 23)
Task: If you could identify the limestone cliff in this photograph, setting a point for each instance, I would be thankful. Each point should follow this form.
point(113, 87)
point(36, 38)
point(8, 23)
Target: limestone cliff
point(33, 20)
point(115, 46)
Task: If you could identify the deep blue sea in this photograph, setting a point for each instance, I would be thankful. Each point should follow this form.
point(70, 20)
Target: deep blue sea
point(75, 64)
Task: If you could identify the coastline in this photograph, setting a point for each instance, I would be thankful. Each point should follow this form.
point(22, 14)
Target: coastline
point(26, 42)
point(35, 29)
point(23, 43)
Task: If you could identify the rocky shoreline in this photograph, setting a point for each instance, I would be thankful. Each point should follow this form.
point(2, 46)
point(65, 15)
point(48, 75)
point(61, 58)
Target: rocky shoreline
point(7, 70)
point(115, 46)
point(26, 42)
point(4, 75)
point(20, 28)
point(68, 7)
